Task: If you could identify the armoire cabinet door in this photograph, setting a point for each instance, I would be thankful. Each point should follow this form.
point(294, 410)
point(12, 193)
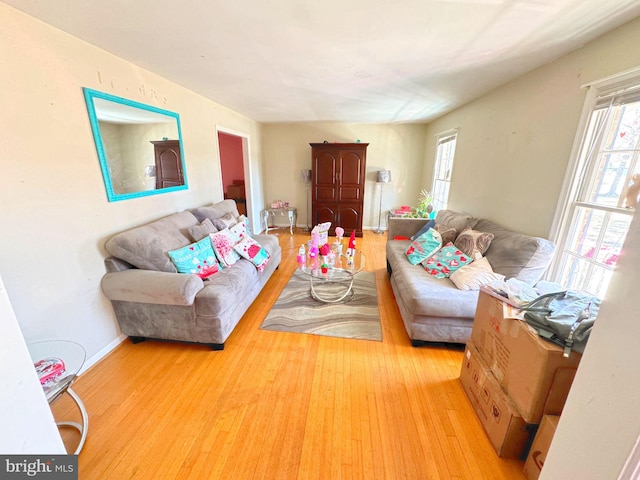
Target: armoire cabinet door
point(350, 218)
point(326, 213)
point(351, 176)
point(325, 176)
point(338, 179)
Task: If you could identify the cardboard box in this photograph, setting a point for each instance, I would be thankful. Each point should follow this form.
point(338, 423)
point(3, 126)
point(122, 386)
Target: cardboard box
point(540, 447)
point(508, 432)
point(531, 370)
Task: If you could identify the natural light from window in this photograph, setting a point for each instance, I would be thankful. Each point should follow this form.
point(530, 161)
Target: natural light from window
point(445, 151)
point(604, 200)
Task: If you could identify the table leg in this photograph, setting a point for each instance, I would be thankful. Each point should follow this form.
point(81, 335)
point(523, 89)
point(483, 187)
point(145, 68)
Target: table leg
point(83, 429)
point(265, 217)
point(290, 213)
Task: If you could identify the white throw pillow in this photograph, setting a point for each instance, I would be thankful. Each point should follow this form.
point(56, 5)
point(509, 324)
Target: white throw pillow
point(474, 275)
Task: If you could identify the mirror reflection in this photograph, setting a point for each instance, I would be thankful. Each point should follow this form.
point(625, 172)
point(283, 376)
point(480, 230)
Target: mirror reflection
point(139, 146)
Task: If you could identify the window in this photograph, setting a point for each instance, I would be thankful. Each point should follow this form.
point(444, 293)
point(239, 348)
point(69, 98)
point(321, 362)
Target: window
point(445, 151)
point(599, 204)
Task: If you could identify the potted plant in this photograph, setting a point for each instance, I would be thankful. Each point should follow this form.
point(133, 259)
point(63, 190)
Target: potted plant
point(424, 207)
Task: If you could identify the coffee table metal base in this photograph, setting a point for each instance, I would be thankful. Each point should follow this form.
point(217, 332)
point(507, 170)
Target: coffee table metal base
point(343, 294)
point(83, 429)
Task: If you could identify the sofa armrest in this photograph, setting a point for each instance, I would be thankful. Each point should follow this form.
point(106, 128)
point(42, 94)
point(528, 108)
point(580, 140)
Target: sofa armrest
point(148, 286)
point(114, 264)
point(404, 227)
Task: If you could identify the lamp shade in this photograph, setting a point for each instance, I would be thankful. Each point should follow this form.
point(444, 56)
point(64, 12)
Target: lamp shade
point(383, 176)
point(305, 175)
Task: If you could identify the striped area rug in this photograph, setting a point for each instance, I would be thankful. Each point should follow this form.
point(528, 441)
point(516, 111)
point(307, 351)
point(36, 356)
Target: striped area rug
point(296, 311)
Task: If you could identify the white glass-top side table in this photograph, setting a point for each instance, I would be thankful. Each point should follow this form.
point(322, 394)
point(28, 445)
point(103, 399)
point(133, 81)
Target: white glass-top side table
point(290, 212)
point(57, 363)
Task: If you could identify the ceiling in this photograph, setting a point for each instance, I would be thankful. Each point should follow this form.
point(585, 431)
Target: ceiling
point(357, 61)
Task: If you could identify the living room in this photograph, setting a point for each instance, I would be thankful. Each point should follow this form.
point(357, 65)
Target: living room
point(510, 164)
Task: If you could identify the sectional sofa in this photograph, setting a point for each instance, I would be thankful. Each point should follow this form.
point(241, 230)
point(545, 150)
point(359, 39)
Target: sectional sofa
point(434, 309)
point(152, 300)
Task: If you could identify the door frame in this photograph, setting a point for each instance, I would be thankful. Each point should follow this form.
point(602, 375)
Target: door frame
point(254, 219)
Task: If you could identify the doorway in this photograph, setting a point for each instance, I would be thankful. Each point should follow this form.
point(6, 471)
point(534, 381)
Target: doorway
point(232, 162)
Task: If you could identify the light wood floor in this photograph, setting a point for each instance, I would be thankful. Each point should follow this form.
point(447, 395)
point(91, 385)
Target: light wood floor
point(285, 406)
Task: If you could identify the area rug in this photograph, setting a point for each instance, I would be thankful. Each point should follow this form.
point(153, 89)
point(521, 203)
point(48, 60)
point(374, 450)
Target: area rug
point(296, 311)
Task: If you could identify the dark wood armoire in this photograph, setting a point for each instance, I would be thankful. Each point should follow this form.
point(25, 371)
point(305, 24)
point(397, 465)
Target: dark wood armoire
point(338, 178)
point(168, 163)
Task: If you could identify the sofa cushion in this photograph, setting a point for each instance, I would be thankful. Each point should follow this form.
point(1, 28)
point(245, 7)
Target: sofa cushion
point(474, 275)
point(424, 246)
point(473, 242)
point(516, 255)
point(198, 232)
point(223, 243)
point(269, 242)
point(251, 250)
point(427, 226)
point(216, 210)
point(423, 294)
point(446, 261)
point(226, 221)
point(196, 259)
point(448, 234)
point(459, 221)
point(238, 232)
point(147, 246)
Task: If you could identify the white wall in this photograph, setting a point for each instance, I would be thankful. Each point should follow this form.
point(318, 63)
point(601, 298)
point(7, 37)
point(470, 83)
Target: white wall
point(514, 143)
point(601, 419)
point(55, 215)
point(26, 422)
point(396, 147)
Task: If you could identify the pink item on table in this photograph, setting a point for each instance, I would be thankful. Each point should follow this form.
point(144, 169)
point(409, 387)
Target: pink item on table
point(325, 249)
point(313, 249)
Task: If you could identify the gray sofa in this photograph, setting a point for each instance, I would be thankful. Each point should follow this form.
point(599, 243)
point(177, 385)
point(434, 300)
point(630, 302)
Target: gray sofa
point(434, 309)
point(151, 300)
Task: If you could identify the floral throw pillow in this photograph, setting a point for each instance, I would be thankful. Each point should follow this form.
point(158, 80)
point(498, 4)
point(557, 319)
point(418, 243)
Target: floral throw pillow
point(424, 246)
point(197, 259)
point(223, 243)
point(446, 261)
point(238, 232)
point(251, 250)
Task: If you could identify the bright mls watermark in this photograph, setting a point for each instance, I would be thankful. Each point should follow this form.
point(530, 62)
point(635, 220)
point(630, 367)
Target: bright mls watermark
point(52, 467)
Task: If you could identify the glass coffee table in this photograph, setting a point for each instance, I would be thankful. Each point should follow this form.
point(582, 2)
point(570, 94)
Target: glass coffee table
point(57, 363)
point(336, 284)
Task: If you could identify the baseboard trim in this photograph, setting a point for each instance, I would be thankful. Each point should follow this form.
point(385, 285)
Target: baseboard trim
point(94, 359)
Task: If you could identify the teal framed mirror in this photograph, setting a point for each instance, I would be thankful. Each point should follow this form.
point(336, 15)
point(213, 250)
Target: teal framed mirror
point(139, 146)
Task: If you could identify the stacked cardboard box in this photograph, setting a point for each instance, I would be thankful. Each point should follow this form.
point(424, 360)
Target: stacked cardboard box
point(506, 363)
point(540, 447)
point(507, 430)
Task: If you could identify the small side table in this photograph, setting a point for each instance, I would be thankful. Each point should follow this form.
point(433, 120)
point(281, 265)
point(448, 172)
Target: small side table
point(290, 212)
point(73, 355)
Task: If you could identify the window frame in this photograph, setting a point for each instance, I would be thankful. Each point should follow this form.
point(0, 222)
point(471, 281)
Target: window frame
point(580, 169)
point(442, 138)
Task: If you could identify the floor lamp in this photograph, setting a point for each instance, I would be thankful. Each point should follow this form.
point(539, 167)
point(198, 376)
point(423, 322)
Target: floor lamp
point(305, 176)
point(382, 177)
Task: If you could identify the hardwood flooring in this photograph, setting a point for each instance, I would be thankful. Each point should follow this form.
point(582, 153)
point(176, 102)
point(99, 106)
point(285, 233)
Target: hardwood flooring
point(283, 405)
